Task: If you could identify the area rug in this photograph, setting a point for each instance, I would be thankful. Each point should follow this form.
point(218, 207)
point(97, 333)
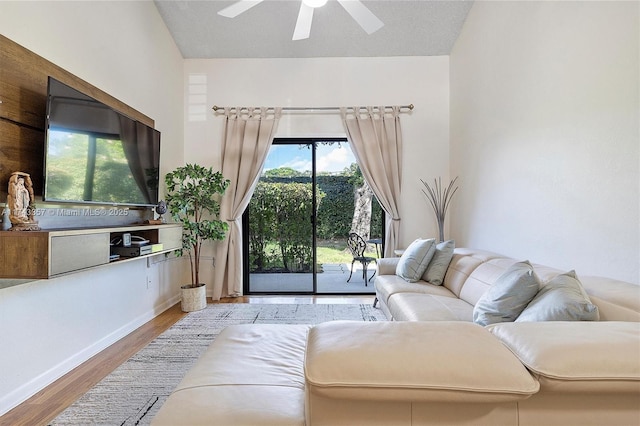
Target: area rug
point(134, 392)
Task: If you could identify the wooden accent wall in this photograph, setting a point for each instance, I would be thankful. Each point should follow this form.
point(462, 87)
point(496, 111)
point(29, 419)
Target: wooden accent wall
point(23, 97)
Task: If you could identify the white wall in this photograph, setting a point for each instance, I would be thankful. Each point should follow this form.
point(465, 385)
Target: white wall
point(48, 327)
point(423, 81)
point(545, 134)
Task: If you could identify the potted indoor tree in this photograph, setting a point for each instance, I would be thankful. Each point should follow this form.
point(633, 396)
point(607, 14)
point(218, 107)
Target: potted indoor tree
point(193, 199)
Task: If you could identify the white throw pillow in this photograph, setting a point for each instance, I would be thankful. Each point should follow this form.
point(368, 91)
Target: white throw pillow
point(415, 259)
point(438, 266)
point(508, 296)
point(562, 299)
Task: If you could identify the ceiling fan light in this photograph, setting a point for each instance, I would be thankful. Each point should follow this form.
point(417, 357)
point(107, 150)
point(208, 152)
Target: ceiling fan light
point(314, 3)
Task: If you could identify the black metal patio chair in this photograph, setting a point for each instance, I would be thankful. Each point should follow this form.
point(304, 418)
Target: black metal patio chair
point(357, 245)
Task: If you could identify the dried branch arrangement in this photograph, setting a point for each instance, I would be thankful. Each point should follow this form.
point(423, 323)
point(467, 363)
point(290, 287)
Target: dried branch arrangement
point(440, 198)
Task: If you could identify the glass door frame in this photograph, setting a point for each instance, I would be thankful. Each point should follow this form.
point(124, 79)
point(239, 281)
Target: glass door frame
point(245, 217)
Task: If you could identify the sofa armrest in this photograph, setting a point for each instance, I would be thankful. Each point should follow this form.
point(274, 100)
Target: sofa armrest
point(387, 265)
point(434, 361)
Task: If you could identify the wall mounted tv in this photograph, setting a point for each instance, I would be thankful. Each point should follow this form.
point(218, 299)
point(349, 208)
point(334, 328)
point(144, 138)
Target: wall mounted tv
point(95, 154)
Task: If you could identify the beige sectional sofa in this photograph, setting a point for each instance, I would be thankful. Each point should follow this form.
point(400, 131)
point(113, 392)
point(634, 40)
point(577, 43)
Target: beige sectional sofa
point(430, 365)
point(470, 274)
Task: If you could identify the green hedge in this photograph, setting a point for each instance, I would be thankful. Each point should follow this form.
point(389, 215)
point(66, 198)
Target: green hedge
point(280, 212)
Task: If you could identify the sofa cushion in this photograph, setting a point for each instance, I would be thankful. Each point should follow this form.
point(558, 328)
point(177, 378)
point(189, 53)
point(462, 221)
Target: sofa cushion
point(428, 307)
point(385, 361)
point(616, 300)
point(508, 296)
point(577, 356)
point(464, 269)
point(437, 268)
point(415, 259)
point(387, 285)
point(561, 299)
point(242, 379)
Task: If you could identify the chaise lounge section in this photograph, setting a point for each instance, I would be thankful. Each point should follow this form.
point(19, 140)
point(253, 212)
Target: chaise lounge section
point(431, 364)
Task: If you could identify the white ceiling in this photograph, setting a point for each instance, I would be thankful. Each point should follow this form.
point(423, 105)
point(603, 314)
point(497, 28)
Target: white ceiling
point(411, 28)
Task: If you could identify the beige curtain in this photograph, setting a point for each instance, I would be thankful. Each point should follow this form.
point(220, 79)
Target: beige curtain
point(248, 134)
point(376, 140)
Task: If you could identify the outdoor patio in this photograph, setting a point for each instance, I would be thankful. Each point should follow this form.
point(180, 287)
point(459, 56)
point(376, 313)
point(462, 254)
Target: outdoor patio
point(332, 280)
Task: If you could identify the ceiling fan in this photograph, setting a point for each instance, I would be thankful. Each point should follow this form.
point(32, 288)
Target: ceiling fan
point(358, 11)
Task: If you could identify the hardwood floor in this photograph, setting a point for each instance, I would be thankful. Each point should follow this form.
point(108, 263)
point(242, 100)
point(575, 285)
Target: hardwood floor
point(44, 406)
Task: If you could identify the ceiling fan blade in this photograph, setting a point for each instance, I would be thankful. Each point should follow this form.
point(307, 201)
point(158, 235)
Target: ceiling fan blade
point(303, 24)
point(362, 15)
point(238, 7)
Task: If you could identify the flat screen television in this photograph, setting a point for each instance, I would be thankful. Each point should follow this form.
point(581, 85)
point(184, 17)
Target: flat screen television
point(95, 154)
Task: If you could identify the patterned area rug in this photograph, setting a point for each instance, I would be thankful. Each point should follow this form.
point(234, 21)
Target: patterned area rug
point(135, 391)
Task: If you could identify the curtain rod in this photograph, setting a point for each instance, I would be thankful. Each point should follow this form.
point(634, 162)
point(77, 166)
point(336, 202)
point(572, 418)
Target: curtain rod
point(302, 109)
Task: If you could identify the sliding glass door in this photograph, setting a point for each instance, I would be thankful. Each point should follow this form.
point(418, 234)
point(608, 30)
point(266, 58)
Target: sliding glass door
point(280, 221)
point(310, 196)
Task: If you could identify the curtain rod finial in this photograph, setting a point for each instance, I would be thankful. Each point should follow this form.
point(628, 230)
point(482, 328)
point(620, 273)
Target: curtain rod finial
point(215, 107)
point(411, 107)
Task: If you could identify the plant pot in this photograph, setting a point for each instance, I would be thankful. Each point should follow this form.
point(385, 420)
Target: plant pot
point(193, 298)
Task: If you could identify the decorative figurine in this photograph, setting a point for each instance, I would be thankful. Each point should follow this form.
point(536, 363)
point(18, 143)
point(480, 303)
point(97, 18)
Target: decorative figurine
point(161, 209)
point(21, 203)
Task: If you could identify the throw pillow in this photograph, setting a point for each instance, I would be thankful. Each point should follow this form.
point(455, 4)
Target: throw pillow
point(438, 266)
point(508, 296)
point(562, 299)
point(415, 259)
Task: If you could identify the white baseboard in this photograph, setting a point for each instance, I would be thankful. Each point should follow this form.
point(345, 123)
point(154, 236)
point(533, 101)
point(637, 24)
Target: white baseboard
point(26, 391)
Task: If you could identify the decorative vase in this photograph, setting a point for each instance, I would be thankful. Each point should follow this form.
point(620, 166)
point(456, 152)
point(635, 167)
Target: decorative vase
point(440, 198)
point(440, 228)
point(193, 298)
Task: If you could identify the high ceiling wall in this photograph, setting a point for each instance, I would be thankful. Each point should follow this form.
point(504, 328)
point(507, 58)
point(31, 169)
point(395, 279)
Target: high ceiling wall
point(545, 134)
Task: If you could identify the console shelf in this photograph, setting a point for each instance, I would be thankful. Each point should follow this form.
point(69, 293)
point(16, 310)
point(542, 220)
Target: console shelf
point(54, 252)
